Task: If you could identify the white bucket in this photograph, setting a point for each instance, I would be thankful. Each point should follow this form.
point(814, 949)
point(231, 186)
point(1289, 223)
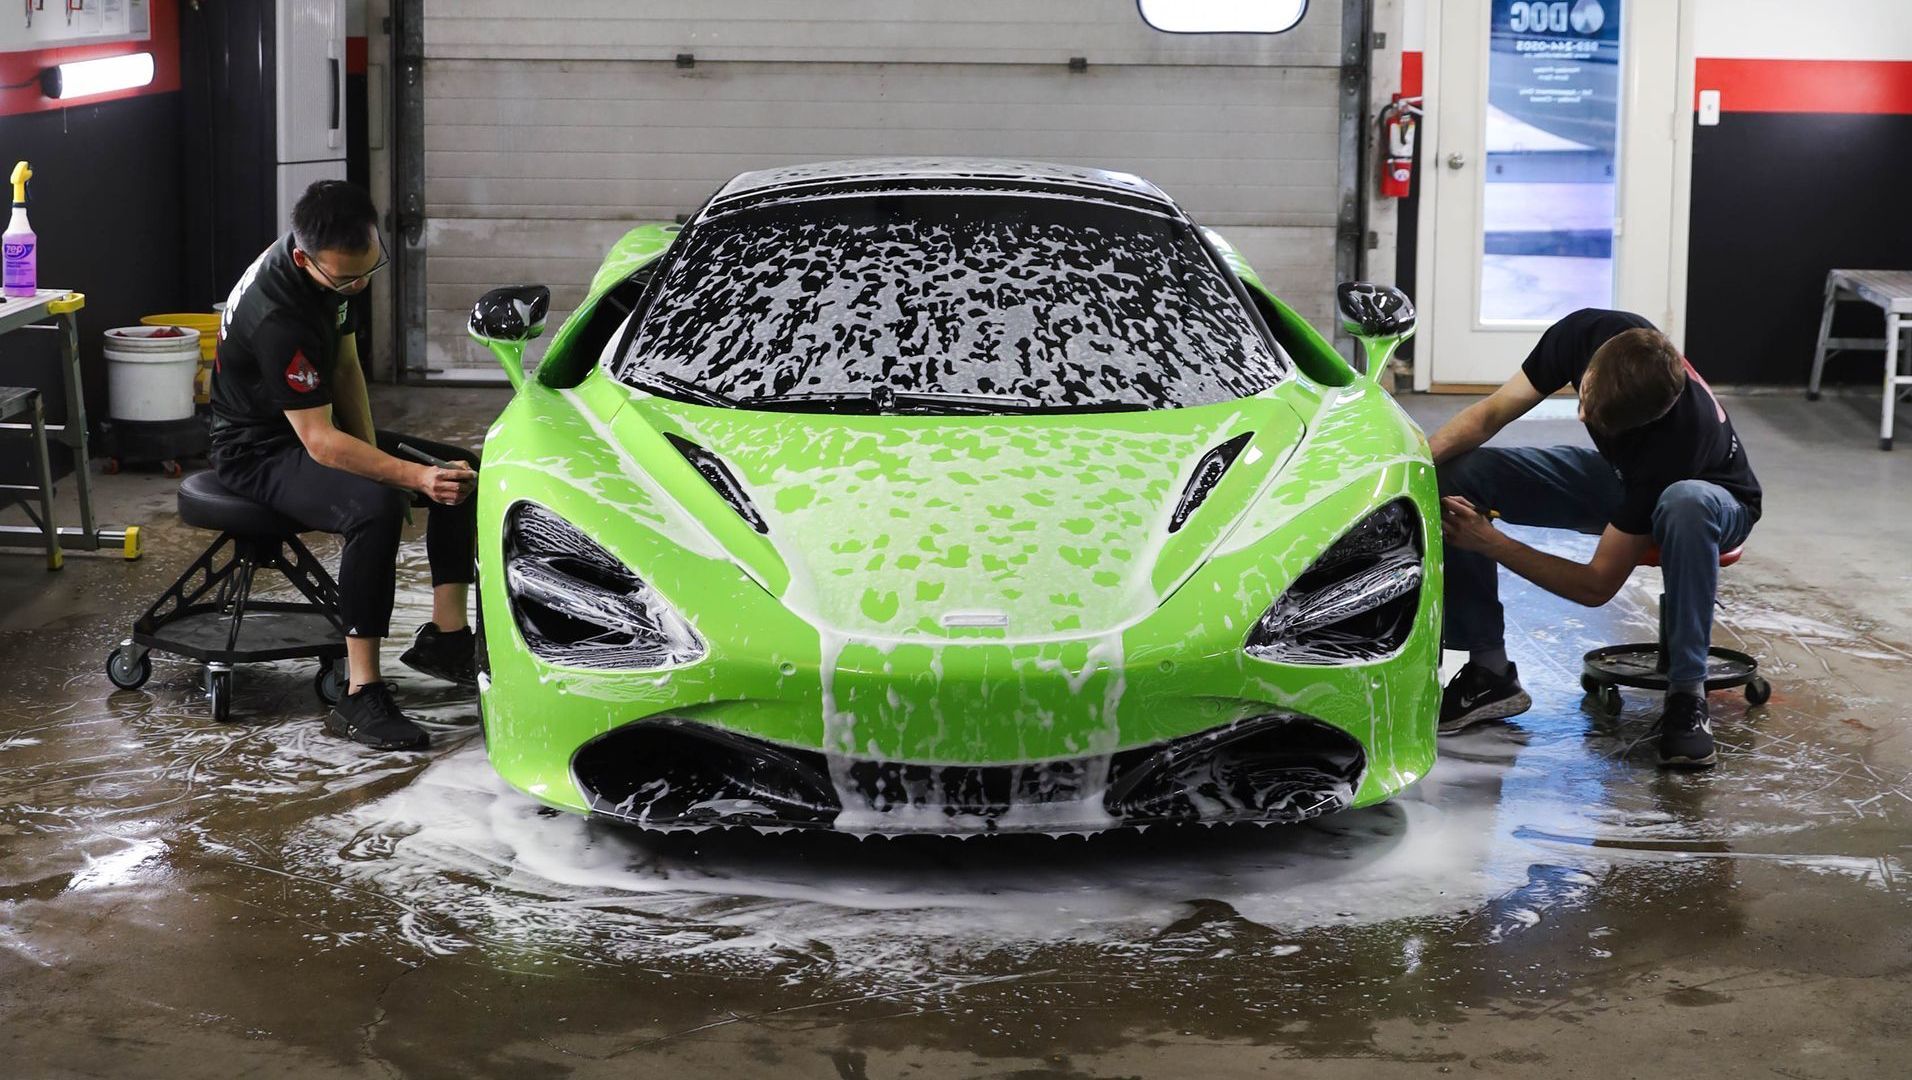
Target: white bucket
point(149, 372)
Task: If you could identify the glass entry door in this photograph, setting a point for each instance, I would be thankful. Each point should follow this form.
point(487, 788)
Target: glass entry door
point(1552, 178)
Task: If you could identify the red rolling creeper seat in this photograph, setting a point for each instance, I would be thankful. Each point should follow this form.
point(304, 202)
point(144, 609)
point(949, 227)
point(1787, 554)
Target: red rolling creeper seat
point(1643, 666)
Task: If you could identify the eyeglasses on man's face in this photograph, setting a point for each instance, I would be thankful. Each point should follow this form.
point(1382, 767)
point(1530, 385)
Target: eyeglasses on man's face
point(348, 284)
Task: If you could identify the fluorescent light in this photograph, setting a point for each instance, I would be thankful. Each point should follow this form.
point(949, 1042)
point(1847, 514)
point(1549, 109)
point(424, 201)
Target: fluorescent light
point(84, 78)
point(1223, 16)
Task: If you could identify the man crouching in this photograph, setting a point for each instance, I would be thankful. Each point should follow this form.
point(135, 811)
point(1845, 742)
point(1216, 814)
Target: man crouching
point(1667, 470)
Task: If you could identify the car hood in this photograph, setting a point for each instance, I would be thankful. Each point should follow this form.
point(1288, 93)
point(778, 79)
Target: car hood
point(1009, 528)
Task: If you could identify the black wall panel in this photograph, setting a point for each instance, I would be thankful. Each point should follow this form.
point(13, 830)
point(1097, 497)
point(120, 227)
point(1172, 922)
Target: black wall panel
point(226, 71)
point(105, 202)
point(1778, 199)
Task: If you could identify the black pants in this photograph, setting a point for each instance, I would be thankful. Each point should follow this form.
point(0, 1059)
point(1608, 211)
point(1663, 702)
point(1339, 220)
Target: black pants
point(368, 514)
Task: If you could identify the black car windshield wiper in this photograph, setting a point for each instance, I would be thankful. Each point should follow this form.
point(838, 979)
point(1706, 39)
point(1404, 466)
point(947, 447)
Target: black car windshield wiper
point(885, 399)
point(891, 400)
point(660, 382)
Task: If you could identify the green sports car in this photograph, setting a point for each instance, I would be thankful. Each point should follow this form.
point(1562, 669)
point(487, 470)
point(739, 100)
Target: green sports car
point(951, 496)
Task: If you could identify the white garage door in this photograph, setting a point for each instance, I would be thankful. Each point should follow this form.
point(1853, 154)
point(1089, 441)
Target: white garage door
point(547, 136)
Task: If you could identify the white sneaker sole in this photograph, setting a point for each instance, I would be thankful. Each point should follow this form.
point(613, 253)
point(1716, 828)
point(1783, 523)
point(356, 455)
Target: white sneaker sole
point(1494, 710)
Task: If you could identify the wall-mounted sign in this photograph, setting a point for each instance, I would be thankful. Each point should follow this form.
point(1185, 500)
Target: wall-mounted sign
point(1556, 66)
point(53, 24)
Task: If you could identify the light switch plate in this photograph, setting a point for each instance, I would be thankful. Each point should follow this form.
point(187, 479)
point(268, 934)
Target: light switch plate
point(1709, 108)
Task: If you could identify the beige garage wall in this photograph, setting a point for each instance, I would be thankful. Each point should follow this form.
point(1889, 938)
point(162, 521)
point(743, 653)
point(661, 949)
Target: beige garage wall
point(549, 134)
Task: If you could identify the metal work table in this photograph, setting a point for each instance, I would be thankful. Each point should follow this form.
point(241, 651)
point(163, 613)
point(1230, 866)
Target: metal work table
point(51, 310)
point(1891, 292)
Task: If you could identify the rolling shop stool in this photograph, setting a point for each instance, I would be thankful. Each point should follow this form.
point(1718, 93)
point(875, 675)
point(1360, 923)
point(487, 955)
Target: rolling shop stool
point(231, 627)
point(1643, 666)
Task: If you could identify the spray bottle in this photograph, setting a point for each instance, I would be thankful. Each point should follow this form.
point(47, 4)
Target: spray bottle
point(20, 273)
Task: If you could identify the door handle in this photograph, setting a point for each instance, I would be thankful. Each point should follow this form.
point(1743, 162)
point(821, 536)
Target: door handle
point(1456, 160)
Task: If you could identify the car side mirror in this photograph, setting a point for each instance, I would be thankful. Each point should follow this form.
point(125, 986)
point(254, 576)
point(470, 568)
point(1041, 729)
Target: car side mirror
point(1381, 316)
point(504, 319)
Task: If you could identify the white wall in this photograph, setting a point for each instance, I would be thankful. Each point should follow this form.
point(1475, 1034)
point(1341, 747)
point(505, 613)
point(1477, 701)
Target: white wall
point(1804, 29)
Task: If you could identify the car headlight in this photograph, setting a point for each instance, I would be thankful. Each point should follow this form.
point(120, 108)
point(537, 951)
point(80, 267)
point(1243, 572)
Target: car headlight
point(578, 606)
point(1355, 603)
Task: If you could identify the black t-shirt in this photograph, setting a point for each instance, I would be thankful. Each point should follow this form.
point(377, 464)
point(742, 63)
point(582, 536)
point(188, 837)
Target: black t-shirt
point(278, 350)
point(1693, 441)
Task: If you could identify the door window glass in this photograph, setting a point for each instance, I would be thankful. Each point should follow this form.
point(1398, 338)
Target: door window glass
point(1553, 109)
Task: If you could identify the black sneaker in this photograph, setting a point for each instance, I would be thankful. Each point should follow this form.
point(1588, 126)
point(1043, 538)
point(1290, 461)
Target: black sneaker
point(1477, 695)
point(372, 717)
point(452, 657)
point(1686, 733)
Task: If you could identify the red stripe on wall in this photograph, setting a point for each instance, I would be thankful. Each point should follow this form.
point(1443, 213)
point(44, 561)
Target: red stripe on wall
point(355, 56)
point(25, 67)
point(1808, 86)
point(1411, 74)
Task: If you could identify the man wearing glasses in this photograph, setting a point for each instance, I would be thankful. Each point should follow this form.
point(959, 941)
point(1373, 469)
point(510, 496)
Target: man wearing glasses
point(292, 429)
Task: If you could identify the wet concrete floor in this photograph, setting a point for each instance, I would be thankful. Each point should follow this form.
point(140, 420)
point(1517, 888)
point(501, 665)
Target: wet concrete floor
point(182, 898)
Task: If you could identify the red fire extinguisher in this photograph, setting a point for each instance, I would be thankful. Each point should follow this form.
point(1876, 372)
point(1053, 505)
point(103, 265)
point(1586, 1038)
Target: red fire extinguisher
point(1400, 119)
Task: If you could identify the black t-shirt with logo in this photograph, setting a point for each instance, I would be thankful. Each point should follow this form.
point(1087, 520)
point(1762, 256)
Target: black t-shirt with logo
point(1693, 441)
point(278, 350)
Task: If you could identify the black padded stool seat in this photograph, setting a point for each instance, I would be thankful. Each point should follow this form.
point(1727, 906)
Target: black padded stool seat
point(206, 503)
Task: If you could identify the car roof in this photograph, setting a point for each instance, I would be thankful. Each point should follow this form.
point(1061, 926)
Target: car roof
point(824, 175)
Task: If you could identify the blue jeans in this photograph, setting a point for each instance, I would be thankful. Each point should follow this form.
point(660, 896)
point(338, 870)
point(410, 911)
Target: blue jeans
point(1568, 487)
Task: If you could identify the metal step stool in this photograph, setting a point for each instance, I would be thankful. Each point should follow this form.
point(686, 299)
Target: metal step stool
point(15, 402)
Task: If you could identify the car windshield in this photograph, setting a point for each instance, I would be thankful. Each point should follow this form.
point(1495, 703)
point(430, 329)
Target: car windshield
point(974, 301)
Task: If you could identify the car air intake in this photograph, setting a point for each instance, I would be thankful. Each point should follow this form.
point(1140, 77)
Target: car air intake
point(1268, 768)
point(672, 772)
point(717, 475)
point(1208, 473)
point(986, 791)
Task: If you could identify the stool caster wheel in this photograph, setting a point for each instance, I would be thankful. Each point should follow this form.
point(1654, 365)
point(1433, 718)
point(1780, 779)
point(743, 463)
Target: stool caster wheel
point(1812, 395)
point(111, 466)
point(171, 470)
point(1590, 684)
point(129, 666)
point(329, 683)
point(219, 693)
point(1606, 697)
point(1758, 691)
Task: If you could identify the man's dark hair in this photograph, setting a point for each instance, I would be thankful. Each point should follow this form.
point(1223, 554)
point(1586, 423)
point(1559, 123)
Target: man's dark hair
point(333, 215)
point(1635, 378)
